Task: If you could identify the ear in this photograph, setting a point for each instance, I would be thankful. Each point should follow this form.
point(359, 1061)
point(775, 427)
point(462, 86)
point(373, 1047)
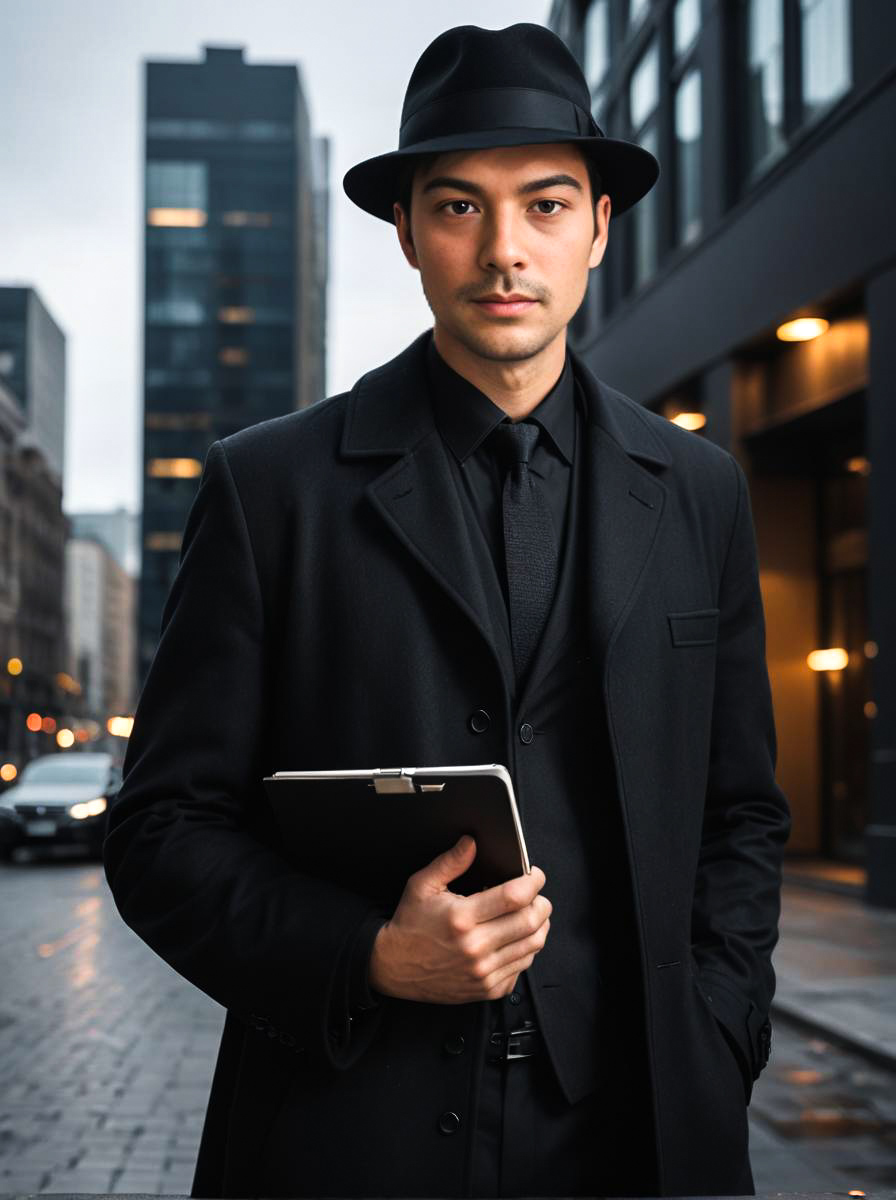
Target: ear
point(602, 216)
point(403, 229)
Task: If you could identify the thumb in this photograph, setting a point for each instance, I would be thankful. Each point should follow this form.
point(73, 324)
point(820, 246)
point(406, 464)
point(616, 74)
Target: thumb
point(453, 862)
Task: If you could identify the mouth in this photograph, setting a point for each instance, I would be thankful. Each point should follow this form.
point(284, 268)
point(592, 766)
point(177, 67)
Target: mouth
point(506, 306)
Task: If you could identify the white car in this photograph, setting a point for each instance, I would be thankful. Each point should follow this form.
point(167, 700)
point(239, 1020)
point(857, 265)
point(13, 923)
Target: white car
point(60, 799)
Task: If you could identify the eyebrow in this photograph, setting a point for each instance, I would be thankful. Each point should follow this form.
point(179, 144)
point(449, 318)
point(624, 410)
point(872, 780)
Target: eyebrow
point(535, 185)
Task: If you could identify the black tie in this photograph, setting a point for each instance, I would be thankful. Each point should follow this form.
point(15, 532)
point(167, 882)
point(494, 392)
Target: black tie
point(530, 543)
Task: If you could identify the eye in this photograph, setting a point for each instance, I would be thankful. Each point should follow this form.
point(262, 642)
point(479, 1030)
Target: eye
point(549, 214)
point(450, 204)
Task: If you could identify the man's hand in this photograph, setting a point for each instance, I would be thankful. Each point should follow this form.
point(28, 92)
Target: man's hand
point(443, 948)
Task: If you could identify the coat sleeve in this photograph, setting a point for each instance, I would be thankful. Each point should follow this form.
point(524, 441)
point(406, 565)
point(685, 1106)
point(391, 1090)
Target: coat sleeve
point(746, 822)
point(185, 854)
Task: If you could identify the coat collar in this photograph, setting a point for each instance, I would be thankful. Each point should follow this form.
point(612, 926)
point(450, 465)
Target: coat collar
point(386, 413)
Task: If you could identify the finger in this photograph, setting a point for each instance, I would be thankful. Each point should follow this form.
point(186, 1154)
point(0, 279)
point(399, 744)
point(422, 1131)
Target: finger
point(505, 956)
point(507, 897)
point(448, 866)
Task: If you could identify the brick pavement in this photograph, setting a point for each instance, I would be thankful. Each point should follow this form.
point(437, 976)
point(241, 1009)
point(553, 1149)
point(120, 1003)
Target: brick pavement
point(106, 1053)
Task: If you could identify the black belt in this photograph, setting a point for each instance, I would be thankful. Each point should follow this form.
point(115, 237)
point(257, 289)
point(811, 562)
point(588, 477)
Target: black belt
point(517, 1043)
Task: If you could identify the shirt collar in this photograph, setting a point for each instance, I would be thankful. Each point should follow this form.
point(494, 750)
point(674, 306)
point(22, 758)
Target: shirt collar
point(466, 416)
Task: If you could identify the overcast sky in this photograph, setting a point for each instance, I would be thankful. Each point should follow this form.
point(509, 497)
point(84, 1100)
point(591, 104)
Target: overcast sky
point(70, 209)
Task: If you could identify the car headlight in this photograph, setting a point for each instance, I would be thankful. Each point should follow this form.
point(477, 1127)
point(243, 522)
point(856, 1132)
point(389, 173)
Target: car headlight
point(88, 808)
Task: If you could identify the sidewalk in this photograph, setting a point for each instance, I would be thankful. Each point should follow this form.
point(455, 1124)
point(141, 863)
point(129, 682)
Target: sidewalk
point(836, 969)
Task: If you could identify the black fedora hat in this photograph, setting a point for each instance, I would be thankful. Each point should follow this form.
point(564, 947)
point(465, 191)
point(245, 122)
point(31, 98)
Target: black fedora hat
point(475, 88)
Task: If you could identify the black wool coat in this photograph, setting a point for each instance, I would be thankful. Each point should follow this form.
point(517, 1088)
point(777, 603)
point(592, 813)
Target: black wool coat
point(327, 612)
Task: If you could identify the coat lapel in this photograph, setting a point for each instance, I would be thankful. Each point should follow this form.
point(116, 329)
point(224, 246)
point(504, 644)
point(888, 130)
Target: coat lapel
point(389, 413)
point(624, 504)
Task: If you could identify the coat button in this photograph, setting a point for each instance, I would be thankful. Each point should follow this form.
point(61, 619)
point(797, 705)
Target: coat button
point(454, 1044)
point(527, 733)
point(479, 720)
point(515, 998)
point(449, 1122)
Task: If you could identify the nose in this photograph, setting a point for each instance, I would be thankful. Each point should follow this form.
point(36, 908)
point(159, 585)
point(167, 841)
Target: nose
point(502, 246)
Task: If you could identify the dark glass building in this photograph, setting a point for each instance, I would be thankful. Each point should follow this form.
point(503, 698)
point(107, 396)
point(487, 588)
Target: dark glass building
point(773, 122)
point(235, 280)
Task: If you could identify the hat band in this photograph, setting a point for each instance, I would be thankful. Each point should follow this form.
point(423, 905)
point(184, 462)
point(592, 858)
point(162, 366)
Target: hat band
point(496, 108)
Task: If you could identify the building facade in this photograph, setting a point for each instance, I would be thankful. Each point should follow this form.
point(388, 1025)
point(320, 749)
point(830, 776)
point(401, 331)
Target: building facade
point(773, 122)
point(232, 334)
point(32, 365)
point(100, 603)
point(33, 527)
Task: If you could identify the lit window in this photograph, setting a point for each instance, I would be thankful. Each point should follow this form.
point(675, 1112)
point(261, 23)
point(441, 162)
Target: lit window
point(233, 356)
point(177, 218)
point(174, 468)
point(236, 315)
point(167, 540)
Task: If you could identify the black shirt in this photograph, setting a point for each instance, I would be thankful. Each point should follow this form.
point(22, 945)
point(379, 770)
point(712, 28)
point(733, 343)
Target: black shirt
point(465, 417)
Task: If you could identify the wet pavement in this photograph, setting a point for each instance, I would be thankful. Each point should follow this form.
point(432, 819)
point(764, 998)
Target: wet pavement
point(836, 967)
point(106, 1054)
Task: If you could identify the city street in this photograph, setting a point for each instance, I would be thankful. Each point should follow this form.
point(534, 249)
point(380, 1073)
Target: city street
point(106, 1058)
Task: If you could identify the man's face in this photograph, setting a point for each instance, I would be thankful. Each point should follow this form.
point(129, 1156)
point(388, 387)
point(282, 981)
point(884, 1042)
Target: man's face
point(514, 220)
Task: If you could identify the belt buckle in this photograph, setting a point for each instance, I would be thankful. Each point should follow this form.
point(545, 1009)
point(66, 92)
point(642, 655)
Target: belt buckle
point(511, 1043)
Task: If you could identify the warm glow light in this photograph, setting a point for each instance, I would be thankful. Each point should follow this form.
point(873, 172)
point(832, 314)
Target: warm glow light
point(65, 738)
point(236, 315)
point(8, 772)
point(870, 709)
point(33, 721)
point(82, 735)
point(48, 724)
point(855, 1192)
point(834, 659)
point(858, 466)
point(871, 649)
point(120, 726)
point(803, 329)
point(14, 666)
point(690, 420)
point(174, 468)
point(190, 218)
point(233, 356)
point(67, 683)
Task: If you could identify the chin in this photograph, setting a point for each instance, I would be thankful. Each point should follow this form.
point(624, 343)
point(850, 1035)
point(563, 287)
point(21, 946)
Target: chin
point(506, 345)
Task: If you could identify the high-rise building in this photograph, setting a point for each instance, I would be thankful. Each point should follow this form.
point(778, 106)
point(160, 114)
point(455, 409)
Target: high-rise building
point(773, 122)
point(118, 531)
point(32, 365)
point(233, 271)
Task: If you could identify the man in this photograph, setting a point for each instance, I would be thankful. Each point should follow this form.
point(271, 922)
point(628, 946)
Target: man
point(482, 553)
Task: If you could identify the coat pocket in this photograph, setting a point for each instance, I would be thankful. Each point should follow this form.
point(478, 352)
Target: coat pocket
point(697, 628)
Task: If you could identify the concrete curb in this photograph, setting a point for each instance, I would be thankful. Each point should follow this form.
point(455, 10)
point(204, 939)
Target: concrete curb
point(833, 1030)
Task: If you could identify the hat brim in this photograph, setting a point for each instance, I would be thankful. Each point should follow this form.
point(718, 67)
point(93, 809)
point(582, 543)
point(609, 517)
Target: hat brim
point(627, 170)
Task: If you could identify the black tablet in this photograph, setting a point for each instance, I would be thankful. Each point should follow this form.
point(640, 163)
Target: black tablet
point(370, 829)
